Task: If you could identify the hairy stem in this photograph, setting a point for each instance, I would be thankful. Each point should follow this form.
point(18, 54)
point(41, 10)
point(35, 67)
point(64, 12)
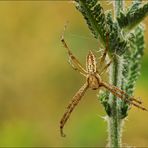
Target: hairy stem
point(114, 121)
point(118, 5)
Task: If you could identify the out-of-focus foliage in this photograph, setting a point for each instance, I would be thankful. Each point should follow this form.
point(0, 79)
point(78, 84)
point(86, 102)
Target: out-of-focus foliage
point(36, 82)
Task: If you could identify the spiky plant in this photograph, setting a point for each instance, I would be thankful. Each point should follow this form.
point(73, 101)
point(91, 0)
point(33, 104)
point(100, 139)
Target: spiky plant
point(126, 43)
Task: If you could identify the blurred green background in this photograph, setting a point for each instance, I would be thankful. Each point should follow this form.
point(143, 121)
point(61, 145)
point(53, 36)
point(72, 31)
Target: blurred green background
point(36, 81)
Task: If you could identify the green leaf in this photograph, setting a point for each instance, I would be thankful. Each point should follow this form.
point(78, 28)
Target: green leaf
point(94, 16)
point(103, 97)
point(134, 15)
point(117, 43)
point(137, 45)
point(132, 65)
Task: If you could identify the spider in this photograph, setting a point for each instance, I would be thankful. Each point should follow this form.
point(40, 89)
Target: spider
point(93, 81)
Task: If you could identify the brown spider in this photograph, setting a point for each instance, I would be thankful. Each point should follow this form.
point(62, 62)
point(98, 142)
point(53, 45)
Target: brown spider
point(93, 81)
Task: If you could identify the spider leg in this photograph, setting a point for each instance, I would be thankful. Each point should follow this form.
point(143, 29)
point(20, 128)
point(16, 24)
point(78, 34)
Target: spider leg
point(138, 106)
point(106, 49)
point(126, 95)
point(77, 97)
point(117, 93)
point(105, 68)
point(72, 65)
point(72, 59)
point(123, 93)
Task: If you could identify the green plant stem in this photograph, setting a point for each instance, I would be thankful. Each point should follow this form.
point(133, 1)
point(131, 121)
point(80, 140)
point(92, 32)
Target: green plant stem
point(114, 121)
point(118, 5)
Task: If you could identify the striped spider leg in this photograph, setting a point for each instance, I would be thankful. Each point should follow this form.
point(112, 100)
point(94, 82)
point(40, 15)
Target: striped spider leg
point(93, 81)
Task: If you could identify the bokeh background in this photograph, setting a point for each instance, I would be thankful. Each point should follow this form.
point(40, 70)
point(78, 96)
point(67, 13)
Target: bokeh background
point(36, 81)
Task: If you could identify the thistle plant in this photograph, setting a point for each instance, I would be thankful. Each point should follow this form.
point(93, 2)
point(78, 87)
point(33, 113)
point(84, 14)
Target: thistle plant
point(126, 45)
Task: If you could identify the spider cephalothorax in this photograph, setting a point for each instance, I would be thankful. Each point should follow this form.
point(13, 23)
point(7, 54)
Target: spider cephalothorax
point(93, 81)
point(93, 78)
